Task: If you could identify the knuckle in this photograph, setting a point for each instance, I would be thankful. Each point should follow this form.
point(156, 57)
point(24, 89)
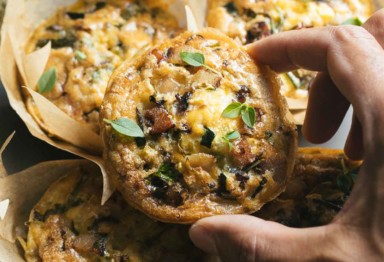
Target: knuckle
point(375, 25)
point(349, 34)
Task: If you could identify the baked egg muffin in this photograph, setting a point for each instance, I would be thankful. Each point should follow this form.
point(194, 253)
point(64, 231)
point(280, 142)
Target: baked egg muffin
point(69, 224)
point(320, 184)
point(89, 40)
point(194, 128)
point(247, 21)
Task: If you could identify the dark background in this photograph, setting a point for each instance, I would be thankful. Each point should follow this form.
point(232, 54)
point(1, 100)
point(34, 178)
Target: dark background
point(25, 151)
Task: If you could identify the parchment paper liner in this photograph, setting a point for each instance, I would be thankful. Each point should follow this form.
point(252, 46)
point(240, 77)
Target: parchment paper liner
point(22, 191)
point(57, 128)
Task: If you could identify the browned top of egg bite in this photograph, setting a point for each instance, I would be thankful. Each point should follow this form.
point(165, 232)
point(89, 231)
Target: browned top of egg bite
point(89, 40)
point(69, 224)
point(321, 183)
point(194, 128)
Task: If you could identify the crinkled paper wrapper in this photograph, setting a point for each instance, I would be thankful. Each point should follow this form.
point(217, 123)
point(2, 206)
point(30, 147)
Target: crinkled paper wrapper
point(21, 17)
point(20, 193)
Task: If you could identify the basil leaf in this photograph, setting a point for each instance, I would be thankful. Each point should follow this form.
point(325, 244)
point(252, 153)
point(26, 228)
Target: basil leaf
point(80, 55)
point(126, 127)
point(353, 21)
point(193, 59)
point(47, 81)
point(232, 135)
point(249, 116)
point(233, 110)
point(207, 138)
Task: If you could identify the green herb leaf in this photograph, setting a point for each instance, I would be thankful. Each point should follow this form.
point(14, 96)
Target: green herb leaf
point(249, 116)
point(126, 127)
point(80, 56)
point(233, 110)
point(207, 138)
point(196, 59)
point(353, 21)
point(232, 135)
point(47, 81)
point(193, 59)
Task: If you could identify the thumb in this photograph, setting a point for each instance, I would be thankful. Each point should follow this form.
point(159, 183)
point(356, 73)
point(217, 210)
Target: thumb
point(247, 238)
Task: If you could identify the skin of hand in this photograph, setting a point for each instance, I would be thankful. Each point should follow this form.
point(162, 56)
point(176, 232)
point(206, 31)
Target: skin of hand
point(350, 62)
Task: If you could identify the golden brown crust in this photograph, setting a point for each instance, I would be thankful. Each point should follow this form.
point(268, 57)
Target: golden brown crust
point(160, 79)
point(320, 184)
point(69, 224)
point(247, 21)
point(89, 40)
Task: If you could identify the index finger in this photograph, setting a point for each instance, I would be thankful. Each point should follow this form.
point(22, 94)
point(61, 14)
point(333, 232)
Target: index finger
point(351, 55)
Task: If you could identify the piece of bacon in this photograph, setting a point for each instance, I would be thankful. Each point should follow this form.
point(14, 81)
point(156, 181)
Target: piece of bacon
point(159, 121)
point(242, 153)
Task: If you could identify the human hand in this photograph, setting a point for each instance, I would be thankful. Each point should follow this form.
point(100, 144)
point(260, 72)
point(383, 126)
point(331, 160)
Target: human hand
point(350, 60)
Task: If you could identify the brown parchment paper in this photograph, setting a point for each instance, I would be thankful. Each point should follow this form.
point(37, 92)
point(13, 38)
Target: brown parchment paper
point(21, 17)
point(19, 193)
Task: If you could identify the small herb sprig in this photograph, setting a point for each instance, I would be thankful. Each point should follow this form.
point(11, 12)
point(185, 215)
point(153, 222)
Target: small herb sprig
point(196, 60)
point(47, 81)
point(228, 138)
point(126, 127)
point(234, 110)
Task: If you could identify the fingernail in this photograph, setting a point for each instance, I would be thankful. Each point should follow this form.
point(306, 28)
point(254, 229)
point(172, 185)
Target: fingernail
point(202, 238)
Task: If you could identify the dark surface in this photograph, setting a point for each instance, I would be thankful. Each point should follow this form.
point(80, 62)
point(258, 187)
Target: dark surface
point(24, 150)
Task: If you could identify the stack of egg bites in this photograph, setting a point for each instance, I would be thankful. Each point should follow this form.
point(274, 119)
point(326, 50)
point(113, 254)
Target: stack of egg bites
point(192, 127)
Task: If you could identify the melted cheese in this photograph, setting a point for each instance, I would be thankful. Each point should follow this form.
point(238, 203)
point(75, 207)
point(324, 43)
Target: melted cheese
point(104, 38)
